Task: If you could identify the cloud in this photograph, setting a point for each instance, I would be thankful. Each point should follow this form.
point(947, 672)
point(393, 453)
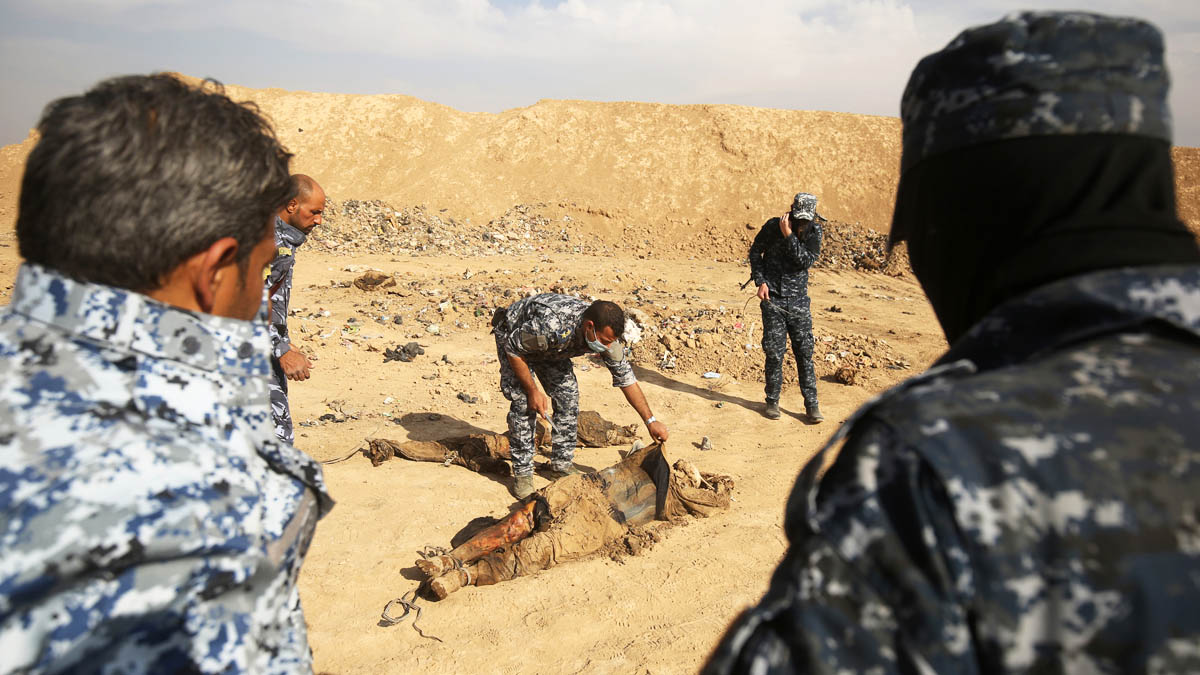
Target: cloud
point(852, 55)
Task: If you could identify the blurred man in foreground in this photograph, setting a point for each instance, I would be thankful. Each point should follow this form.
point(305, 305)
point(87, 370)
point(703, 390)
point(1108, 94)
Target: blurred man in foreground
point(149, 519)
point(1029, 503)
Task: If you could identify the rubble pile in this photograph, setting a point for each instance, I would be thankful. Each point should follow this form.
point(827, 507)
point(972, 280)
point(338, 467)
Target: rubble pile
point(668, 331)
point(356, 226)
point(711, 340)
point(858, 247)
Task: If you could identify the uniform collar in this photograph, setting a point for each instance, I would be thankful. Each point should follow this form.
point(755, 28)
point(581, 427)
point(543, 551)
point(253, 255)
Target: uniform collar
point(286, 234)
point(129, 321)
point(1080, 308)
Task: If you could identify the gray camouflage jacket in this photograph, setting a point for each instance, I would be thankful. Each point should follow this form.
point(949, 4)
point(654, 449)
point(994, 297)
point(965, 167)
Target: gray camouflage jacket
point(287, 240)
point(545, 327)
point(1027, 505)
point(149, 520)
point(782, 263)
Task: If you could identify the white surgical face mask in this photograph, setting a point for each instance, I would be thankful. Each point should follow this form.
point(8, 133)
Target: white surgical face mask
point(615, 351)
point(595, 345)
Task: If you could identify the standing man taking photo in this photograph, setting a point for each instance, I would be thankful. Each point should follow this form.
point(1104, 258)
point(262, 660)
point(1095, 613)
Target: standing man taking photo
point(779, 260)
point(295, 220)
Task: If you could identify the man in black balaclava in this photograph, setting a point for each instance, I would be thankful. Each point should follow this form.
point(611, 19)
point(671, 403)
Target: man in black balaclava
point(1029, 503)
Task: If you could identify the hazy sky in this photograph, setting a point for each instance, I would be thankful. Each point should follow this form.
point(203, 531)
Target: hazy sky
point(492, 55)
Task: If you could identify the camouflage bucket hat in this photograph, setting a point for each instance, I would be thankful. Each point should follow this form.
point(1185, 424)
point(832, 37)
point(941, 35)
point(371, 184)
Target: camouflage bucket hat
point(804, 206)
point(1037, 74)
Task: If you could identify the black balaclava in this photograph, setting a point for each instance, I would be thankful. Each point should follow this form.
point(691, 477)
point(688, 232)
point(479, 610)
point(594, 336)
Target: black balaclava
point(988, 222)
point(1036, 148)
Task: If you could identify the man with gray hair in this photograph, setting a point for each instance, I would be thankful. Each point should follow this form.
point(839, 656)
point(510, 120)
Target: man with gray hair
point(293, 223)
point(150, 521)
point(1029, 503)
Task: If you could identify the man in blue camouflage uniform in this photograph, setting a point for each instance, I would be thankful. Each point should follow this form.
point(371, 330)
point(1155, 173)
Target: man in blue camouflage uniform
point(539, 335)
point(150, 521)
point(1029, 503)
point(295, 220)
point(780, 256)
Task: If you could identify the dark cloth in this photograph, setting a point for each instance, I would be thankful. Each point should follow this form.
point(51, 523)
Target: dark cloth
point(990, 222)
point(1026, 506)
point(782, 264)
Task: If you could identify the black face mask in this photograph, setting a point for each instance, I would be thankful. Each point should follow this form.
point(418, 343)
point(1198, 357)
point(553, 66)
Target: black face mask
point(990, 222)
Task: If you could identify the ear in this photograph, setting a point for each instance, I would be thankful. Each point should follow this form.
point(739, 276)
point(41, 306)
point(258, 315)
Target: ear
point(211, 269)
point(293, 205)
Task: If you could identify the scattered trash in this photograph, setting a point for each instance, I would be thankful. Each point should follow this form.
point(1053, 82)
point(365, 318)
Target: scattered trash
point(719, 404)
point(406, 353)
point(710, 375)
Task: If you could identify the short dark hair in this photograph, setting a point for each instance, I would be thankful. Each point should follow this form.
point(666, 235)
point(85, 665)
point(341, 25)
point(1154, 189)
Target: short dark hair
point(606, 314)
point(142, 172)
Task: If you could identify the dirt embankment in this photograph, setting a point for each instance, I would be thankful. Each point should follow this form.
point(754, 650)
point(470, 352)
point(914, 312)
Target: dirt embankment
point(670, 179)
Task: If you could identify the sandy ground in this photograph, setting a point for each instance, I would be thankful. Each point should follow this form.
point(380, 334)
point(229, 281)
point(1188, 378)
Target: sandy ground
point(659, 612)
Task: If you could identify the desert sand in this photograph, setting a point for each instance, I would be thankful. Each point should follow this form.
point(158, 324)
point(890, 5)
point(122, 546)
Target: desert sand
point(650, 205)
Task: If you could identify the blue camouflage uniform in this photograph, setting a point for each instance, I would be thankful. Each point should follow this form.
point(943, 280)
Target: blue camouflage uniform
point(150, 521)
point(782, 264)
point(1029, 503)
point(287, 240)
point(544, 331)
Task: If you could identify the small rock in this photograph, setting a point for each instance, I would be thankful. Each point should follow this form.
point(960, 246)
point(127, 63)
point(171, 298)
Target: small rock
point(705, 444)
point(846, 375)
point(719, 404)
point(467, 398)
point(446, 360)
point(373, 280)
point(398, 320)
point(433, 417)
point(433, 329)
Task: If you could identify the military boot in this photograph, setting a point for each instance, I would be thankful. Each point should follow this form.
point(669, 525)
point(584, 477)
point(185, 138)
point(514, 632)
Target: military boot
point(771, 412)
point(522, 486)
point(554, 472)
point(814, 414)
